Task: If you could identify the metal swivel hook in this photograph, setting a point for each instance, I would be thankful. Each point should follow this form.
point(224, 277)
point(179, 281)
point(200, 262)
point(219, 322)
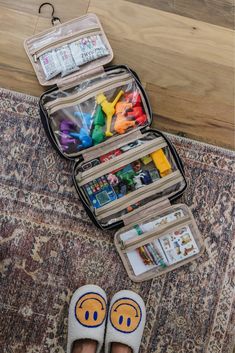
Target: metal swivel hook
point(53, 18)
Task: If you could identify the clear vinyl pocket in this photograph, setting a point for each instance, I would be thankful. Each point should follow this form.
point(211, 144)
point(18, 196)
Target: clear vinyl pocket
point(115, 187)
point(159, 190)
point(38, 50)
point(97, 109)
point(159, 244)
point(75, 46)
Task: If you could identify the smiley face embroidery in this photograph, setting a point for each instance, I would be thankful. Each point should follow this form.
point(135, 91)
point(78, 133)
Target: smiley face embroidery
point(125, 315)
point(90, 310)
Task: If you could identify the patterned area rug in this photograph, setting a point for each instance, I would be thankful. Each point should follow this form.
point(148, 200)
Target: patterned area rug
point(49, 247)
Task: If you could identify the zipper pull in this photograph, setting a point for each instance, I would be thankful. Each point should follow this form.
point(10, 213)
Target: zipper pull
point(145, 128)
point(35, 58)
point(122, 245)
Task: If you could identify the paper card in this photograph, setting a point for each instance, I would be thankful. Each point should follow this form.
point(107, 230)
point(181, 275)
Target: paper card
point(137, 263)
point(178, 245)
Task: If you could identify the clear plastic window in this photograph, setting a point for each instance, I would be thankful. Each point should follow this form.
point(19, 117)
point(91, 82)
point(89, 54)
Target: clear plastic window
point(139, 177)
point(134, 207)
point(93, 112)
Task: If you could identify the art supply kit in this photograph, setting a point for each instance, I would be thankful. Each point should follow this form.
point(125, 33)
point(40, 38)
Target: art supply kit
point(125, 172)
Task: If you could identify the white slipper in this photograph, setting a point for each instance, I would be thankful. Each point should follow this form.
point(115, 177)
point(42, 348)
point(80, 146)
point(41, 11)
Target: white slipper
point(126, 320)
point(87, 316)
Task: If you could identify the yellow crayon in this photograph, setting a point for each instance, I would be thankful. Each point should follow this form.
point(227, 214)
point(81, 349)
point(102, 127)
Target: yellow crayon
point(109, 109)
point(161, 162)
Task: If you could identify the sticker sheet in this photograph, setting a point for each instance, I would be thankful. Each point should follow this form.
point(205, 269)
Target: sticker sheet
point(178, 245)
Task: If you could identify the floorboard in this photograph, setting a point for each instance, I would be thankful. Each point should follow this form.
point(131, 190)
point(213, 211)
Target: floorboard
point(218, 12)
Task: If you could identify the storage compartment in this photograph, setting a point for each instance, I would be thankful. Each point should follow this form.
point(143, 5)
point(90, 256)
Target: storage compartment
point(72, 48)
point(95, 110)
point(159, 242)
point(119, 181)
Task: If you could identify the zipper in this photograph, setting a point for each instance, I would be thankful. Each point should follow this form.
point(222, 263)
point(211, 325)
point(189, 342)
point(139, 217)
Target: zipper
point(125, 216)
point(159, 204)
point(117, 141)
point(79, 97)
point(66, 39)
point(93, 77)
point(120, 161)
point(138, 195)
point(98, 150)
point(147, 237)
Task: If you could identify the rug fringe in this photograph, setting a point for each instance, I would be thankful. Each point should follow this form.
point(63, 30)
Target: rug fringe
point(21, 95)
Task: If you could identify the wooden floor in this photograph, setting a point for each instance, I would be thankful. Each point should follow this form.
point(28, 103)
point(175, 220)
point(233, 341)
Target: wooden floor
point(182, 51)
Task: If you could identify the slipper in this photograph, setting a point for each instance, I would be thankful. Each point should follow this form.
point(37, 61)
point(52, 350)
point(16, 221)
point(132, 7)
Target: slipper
point(126, 320)
point(87, 316)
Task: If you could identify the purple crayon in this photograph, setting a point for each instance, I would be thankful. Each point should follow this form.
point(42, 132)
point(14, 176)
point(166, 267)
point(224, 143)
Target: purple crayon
point(65, 139)
point(66, 126)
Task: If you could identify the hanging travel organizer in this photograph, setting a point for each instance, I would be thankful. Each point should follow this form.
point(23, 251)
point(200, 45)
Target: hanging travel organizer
point(125, 172)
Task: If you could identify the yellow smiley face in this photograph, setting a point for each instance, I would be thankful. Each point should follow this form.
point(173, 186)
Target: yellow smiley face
point(125, 315)
point(90, 310)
